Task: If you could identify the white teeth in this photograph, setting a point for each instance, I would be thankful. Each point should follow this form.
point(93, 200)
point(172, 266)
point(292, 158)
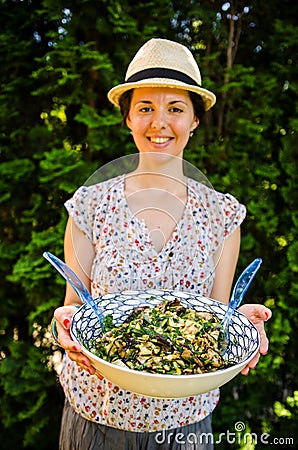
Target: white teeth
point(159, 140)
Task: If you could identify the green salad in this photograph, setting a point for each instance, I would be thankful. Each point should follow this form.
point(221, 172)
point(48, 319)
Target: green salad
point(166, 339)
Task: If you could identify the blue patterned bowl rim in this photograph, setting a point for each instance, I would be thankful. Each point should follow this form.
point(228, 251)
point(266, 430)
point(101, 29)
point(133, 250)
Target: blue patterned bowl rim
point(244, 337)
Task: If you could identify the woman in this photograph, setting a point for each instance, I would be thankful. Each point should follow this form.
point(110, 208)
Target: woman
point(152, 227)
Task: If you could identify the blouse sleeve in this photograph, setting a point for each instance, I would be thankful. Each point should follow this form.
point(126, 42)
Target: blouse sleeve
point(234, 213)
point(79, 208)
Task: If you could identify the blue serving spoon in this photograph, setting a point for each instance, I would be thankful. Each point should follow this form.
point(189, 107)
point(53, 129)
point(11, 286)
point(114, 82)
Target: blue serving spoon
point(77, 284)
point(238, 293)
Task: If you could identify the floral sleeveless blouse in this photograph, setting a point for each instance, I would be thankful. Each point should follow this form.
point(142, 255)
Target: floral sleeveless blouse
point(127, 259)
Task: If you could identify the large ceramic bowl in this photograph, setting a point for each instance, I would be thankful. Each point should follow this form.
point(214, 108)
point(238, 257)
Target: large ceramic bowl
point(244, 344)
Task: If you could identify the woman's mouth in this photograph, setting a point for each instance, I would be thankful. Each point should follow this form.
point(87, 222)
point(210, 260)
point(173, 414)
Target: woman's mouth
point(159, 140)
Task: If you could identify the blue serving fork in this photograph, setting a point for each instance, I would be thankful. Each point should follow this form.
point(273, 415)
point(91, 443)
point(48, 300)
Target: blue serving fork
point(238, 293)
point(69, 275)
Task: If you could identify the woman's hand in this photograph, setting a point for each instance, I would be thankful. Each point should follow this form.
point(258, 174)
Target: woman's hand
point(257, 314)
point(63, 316)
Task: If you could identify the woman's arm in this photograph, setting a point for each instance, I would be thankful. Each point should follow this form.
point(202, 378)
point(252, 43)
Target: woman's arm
point(221, 291)
point(225, 261)
point(79, 255)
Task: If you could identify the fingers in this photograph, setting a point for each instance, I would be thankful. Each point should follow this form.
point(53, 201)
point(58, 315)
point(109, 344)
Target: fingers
point(245, 371)
point(82, 361)
point(259, 318)
point(264, 342)
point(98, 375)
point(263, 312)
point(63, 316)
point(258, 315)
point(251, 365)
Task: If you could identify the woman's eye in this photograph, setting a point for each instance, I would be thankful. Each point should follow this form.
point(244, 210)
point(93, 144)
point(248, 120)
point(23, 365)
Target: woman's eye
point(176, 110)
point(145, 109)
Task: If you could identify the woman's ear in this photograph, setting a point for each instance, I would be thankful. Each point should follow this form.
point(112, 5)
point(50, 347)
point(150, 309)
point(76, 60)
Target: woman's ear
point(195, 124)
point(128, 122)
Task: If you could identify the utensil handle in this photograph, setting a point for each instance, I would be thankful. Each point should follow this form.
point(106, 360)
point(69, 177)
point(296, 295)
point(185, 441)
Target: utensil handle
point(241, 286)
point(244, 281)
point(71, 277)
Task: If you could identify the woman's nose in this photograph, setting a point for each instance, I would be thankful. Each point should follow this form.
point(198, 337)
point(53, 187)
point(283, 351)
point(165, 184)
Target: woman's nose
point(159, 120)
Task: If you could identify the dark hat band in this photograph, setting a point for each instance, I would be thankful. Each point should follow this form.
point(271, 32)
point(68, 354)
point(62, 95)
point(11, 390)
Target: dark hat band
point(161, 73)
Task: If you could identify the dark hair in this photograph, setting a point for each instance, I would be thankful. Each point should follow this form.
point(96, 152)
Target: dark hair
point(196, 99)
point(198, 105)
point(124, 103)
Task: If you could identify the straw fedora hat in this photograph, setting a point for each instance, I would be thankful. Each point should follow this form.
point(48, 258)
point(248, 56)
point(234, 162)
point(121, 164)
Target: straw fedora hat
point(163, 63)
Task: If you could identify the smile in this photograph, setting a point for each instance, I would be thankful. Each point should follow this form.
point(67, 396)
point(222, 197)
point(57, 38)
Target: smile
point(159, 140)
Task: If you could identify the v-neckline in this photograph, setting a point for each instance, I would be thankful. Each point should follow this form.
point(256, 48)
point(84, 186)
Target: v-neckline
point(173, 237)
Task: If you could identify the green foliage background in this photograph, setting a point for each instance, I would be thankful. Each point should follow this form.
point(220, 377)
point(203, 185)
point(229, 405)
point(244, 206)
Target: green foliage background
point(58, 60)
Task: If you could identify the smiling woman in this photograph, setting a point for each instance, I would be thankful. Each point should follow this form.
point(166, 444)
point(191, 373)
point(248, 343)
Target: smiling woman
point(161, 119)
point(197, 101)
point(151, 227)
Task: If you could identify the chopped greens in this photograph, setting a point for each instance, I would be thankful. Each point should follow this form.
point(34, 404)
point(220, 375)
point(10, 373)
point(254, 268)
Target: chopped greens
point(166, 339)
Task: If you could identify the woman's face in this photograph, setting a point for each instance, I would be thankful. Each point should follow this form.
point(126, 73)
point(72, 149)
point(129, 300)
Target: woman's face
point(161, 120)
